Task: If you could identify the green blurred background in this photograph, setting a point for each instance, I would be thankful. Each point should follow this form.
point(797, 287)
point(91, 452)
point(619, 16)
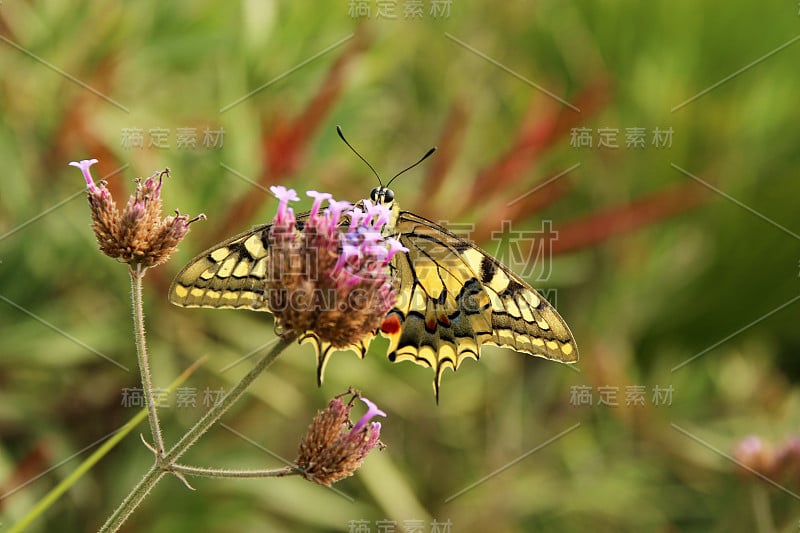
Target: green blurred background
point(653, 265)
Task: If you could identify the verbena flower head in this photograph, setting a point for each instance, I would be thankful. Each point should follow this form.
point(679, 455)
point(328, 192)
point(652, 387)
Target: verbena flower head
point(326, 276)
point(757, 458)
point(334, 448)
point(137, 236)
point(754, 454)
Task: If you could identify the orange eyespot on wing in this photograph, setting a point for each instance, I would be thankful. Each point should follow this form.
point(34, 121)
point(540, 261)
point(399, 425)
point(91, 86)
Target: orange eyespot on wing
point(391, 326)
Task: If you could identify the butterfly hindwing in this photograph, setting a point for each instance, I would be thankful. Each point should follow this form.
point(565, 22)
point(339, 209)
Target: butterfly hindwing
point(443, 317)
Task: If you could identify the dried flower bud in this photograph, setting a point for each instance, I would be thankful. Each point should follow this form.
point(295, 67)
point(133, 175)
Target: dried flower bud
point(781, 462)
point(754, 454)
point(334, 448)
point(787, 459)
point(137, 236)
point(328, 278)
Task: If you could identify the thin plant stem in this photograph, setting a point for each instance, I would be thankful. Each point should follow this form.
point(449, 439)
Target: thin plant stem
point(231, 473)
point(137, 274)
point(52, 496)
point(762, 511)
point(158, 470)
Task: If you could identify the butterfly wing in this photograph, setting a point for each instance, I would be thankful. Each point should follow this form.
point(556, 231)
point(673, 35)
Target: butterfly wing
point(454, 297)
point(232, 275)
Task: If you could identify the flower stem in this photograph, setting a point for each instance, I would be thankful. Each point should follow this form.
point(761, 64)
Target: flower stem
point(137, 274)
point(229, 473)
point(761, 509)
point(157, 471)
point(57, 491)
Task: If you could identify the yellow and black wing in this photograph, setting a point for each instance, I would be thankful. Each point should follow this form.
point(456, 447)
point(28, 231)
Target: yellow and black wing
point(454, 297)
point(230, 275)
point(233, 275)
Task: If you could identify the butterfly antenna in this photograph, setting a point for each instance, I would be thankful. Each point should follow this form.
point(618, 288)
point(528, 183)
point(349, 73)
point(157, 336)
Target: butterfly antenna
point(423, 158)
point(341, 135)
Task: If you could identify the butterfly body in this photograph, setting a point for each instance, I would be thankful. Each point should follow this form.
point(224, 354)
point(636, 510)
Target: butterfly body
point(453, 297)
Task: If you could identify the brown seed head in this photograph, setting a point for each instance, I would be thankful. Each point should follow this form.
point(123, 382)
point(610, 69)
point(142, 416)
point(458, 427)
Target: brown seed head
point(138, 236)
point(333, 448)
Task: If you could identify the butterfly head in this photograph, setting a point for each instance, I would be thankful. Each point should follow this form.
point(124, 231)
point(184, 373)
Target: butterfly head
point(382, 196)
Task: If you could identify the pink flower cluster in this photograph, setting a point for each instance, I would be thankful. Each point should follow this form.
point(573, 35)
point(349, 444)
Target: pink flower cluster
point(138, 236)
point(330, 451)
point(329, 274)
